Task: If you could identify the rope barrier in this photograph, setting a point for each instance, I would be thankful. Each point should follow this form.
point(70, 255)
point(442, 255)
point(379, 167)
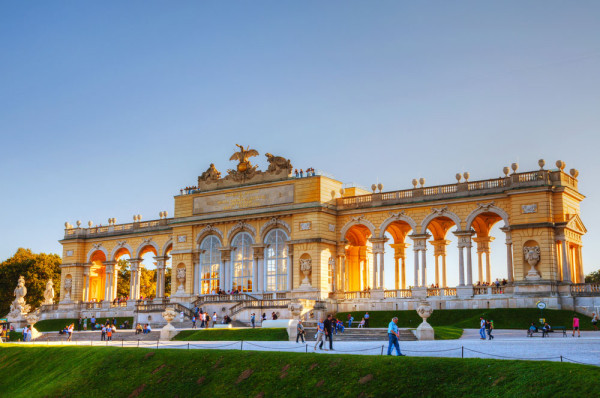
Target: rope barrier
point(507, 357)
point(218, 346)
point(581, 363)
point(450, 349)
point(275, 348)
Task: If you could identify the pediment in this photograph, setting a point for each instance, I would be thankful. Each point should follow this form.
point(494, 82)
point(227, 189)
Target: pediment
point(575, 224)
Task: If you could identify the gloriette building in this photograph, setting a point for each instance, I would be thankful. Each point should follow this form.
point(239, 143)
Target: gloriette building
point(299, 244)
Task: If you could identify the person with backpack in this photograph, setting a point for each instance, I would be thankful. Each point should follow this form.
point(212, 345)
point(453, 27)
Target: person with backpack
point(489, 327)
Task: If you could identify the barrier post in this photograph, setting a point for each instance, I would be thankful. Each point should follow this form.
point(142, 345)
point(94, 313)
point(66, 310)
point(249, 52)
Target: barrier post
point(462, 351)
point(382, 350)
point(242, 346)
point(188, 346)
point(138, 343)
point(307, 348)
point(561, 358)
point(122, 343)
point(157, 344)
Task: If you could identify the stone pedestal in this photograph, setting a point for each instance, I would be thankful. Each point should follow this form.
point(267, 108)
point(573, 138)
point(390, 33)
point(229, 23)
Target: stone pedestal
point(379, 294)
point(419, 292)
point(464, 291)
point(168, 331)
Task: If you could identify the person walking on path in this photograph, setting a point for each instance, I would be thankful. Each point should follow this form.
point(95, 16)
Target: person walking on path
point(350, 320)
point(214, 319)
point(482, 328)
point(576, 326)
point(300, 331)
point(194, 322)
point(329, 331)
point(253, 322)
point(103, 333)
point(489, 327)
point(393, 336)
point(367, 319)
point(85, 323)
point(79, 324)
point(320, 334)
point(70, 331)
point(93, 322)
point(595, 321)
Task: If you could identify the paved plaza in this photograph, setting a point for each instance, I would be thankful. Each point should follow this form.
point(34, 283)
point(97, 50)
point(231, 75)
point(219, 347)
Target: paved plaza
point(508, 344)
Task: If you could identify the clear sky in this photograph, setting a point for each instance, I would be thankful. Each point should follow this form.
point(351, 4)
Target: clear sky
point(108, 108)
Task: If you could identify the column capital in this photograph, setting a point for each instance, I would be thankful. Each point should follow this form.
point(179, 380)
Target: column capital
point(483, 243)
point(464, 238)
point(420, 241)
point(225, 253)
point(258, 250)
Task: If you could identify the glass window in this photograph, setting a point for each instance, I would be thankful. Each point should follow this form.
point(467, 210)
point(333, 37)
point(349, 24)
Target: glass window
point(210, 265)
point(241, 262)
point(276, 261)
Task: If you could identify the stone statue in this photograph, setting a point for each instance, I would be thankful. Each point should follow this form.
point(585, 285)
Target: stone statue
point(305, 267)
point(19, 308)
point(181, 280)
point(49, 293)
point(67, 287)
point(242, 156)
point(211, 174)
point(278, 164)
point(532, 256)
point(168, 331)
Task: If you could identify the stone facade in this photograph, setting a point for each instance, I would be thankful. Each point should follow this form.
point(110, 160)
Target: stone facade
point(287, 222)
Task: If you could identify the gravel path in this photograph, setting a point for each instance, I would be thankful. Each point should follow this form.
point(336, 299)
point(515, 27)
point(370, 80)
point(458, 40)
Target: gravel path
point(508, 344)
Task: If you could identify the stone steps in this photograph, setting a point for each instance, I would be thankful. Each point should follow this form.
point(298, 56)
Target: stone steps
point(126, 335)
point(362, 334)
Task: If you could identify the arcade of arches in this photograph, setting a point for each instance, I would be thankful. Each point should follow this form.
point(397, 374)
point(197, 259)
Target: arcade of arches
point(273, 232)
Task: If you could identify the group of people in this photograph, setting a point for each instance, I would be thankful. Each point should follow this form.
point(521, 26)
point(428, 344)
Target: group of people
point(496, 283)
point(204, 318)
point(364, 322)
point(143, 329)
point(486, 326)
point(310, 172)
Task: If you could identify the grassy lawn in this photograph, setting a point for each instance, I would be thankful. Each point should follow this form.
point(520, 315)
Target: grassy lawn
point(234, 334)
point(130, 372)
point(54, 325)
point(504, 318)
point(447, 332)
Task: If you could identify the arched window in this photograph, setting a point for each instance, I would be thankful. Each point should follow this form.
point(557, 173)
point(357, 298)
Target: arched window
point(210, 264)
point(276, 261)
point(241, 262)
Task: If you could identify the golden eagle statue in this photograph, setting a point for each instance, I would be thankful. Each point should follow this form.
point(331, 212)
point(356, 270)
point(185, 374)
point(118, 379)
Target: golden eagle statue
point(242, 156)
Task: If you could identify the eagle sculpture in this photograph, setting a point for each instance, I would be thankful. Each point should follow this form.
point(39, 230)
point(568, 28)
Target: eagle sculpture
point(242, 156)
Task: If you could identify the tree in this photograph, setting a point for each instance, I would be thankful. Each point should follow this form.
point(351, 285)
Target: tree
point(36, 269)
point(148, 283)
point(123, 278)
point(168, 281)
point(593, 277)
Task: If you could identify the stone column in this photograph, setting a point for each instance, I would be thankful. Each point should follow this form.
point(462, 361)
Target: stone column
point(160, 276)
point(439, 250)
point(343, 277)
point(258, 267)
point(416, 282)
point(580, 265)
point(224, 275)
point(469, 263)
point(400, 264)
point(134, 278)
point(86, 282)
point(375, 255)
point(462, 242)
point(483, 248)
point(381, 269)
point(331, 263)
point(290, 265)
point(509, 255)
point(444, 270)
point(566, 266)
point(109, 281)
point(420, 244)
point(424, 265)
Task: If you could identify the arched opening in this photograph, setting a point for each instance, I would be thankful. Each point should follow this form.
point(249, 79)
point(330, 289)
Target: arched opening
point(147, 271)
point(358, 252)
point(490, 257)
point(97, 276)
point(396, 252)
point(121, 258)
point(241, 263)
point(440, 265)
point(210, 266)
point(276, 261)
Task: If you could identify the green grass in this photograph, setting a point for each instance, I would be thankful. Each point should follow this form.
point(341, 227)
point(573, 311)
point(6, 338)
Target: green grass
point(233, 334)
point(447, 332)
point(128, 372)
point(54, 325)
point(504, 318)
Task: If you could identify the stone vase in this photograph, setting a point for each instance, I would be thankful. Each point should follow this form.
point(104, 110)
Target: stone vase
point(424, 331)
point(168, 331)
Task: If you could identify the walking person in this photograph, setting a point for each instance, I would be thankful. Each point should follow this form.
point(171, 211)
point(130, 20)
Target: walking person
point(320, 334)
point(350, 320)
point(300, 331)
point(367, 319)
point(393, 336)
point(482, 328)
point(328, 325)
point(253, 322)
point(93, 322)
point(70, 331)
point(200, 317)
point(79, 324)
point(194, 322)
point(109, 332)
point(576, 325)
point(85, 320)
point(214, 319)
point(489, 327)
point(595, 321)
point(103, 333)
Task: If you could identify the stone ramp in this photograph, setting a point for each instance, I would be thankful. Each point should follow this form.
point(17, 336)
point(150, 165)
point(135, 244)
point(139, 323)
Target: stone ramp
point(125, 335)
point(362, 334)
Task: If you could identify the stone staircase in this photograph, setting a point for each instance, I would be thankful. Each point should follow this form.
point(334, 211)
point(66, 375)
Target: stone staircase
point(362, 334)
point(126, 335)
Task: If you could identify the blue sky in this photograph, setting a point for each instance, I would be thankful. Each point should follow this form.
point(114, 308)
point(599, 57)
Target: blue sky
point(108, 108)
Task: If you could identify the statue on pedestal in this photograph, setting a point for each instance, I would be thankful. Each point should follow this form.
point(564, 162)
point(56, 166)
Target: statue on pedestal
point(425, 331)
point(19, 308)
